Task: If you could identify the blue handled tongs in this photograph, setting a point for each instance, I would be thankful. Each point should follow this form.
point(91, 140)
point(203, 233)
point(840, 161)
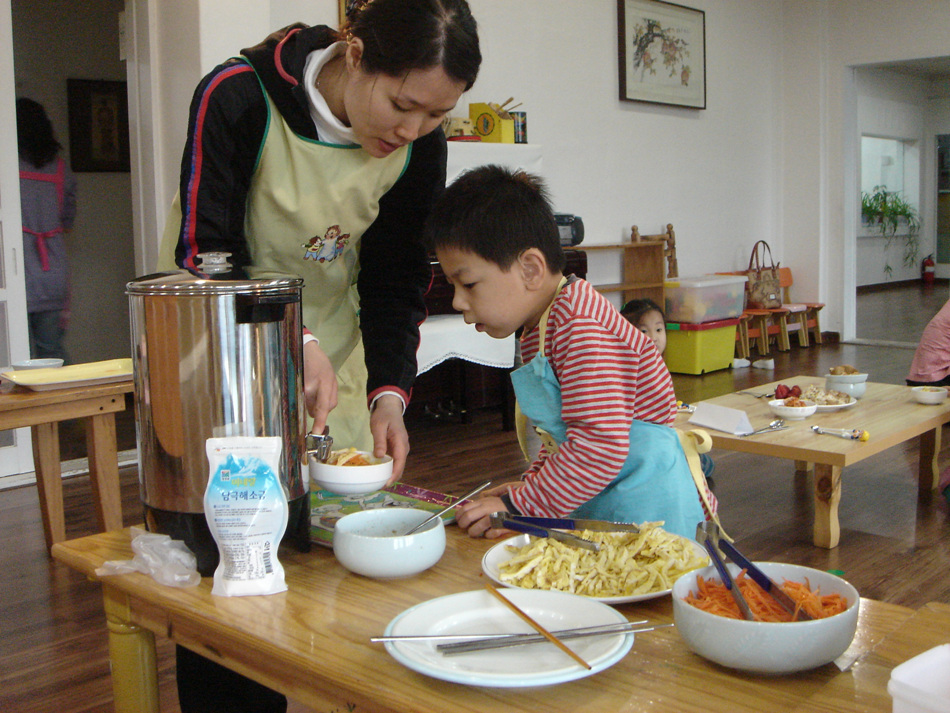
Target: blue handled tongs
point(554, 527)
point(708, 533)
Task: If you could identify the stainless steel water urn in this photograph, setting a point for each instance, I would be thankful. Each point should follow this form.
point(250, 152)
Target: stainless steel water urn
point(214, 358)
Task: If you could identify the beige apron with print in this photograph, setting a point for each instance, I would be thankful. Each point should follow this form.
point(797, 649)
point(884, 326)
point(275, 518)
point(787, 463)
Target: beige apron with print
point(308, 206)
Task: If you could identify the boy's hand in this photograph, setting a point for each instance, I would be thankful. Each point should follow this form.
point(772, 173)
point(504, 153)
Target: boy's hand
point(473, 517)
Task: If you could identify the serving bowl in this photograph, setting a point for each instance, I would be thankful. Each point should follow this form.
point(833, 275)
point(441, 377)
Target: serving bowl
point(852, 384)
point(352, 479)
point(929, 394)
point(37, 364)
point(371, 543)
point(767, 647)
point(792, 413)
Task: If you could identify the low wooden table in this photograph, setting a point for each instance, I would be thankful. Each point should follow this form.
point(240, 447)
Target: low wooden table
point(886, 411)
point(42, 411)
point(312, 643)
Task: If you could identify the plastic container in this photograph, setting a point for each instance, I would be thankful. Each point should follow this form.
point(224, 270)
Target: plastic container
point(708, 298)
point(921, 685)
point(698, 348)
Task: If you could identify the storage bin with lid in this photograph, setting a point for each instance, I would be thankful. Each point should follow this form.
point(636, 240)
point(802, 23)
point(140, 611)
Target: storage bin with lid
point(707, 298)
point(698, 348)
point(921, 684)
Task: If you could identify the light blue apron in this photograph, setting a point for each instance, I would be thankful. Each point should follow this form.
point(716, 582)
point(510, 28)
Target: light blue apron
point(654, 483)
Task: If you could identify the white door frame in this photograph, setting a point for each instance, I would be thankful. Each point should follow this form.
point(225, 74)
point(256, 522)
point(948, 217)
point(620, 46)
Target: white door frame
point(17, 458)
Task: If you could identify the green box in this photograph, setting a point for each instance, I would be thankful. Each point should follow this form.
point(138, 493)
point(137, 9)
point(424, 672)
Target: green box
point(698, 348)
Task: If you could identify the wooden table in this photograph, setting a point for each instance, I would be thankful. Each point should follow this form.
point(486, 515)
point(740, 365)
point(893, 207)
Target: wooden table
point(886, 411)
point(42, 411)
point(312, 643)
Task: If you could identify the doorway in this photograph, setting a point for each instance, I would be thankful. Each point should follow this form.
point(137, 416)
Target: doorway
point(81, 41)
point(899, 105)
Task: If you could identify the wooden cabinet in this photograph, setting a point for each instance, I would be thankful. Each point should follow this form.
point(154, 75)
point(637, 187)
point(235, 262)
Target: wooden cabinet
point(642, 270)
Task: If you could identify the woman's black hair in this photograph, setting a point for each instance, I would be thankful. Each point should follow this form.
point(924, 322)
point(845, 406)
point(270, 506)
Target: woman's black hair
point(496, 214)
point(401, 35)
point(635, 309)
point(34, 132)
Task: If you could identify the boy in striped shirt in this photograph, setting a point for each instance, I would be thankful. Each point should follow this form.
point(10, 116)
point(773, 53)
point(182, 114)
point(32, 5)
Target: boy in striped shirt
point(595, 387)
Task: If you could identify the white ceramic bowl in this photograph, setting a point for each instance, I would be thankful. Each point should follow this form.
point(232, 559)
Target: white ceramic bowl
point(929, 394)
point(848, 378)
point(852, 384)
point(792, 413)
point(352, 479)
point(37, 364)
point(371, 543)
point(762, 647)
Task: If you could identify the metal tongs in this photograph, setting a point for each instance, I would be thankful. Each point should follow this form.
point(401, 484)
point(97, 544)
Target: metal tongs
point(318, 446)
point(554, 527)
point(708, 533)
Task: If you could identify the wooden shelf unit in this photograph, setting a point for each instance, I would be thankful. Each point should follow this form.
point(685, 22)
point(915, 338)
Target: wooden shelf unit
point(643, 270)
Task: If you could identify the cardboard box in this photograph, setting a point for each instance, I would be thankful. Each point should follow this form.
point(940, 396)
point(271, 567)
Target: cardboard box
point(698, 348)
point(707, 298)
point(491, 123)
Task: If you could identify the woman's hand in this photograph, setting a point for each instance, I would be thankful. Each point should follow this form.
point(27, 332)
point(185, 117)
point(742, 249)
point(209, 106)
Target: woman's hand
point(389, 432)
point(319, 385)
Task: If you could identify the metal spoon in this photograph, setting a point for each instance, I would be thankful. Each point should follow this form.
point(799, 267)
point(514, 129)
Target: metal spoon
point(425, 522)
point(775, 425)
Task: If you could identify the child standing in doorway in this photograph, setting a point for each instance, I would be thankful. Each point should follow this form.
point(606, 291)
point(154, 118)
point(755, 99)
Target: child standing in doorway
point(594, 386)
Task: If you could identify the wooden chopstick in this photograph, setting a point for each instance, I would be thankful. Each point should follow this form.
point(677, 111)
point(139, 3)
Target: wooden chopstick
point(537, 627)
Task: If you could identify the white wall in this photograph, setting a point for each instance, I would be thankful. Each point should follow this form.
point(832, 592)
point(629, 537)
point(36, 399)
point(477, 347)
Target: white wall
point(766, 159)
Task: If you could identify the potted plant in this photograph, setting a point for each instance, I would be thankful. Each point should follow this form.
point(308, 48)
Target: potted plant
point(885, 211)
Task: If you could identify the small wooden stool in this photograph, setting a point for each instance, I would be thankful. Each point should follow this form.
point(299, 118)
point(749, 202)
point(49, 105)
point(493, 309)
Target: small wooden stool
point(42, 411)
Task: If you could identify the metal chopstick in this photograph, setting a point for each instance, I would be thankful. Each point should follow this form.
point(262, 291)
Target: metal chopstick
point(499, 637)
point(491, 644)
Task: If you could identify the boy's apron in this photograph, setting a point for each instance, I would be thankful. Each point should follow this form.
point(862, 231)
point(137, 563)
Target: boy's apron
point(308, 205)
point(655, 481)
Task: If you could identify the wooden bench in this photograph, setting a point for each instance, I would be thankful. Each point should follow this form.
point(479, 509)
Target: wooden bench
point(42, 411)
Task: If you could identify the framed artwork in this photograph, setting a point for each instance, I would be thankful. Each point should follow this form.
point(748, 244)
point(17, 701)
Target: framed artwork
point(345, 7)
point(98, 125)
point(662, 53)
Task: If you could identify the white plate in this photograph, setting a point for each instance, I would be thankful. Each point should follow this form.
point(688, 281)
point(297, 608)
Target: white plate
point(72, 376)
point(824, 408)
point(479, 612)
point(493, 559)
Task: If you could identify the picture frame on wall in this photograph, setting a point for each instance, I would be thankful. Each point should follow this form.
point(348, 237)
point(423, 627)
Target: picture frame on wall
point(345, 7)
point(662, 53)
point(98, 125)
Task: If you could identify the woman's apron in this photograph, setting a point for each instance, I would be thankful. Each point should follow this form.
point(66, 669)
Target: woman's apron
point(308, 205)
point(55, 285)
point(654, 483)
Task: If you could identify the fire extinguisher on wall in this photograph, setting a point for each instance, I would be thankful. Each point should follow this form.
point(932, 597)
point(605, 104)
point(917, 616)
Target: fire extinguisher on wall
point(927, 270)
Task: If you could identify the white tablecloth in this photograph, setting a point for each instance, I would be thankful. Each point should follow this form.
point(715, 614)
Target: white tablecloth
point(446, 336)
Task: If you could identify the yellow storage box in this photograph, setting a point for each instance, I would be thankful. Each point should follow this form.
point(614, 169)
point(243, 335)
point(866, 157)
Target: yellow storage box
point(698, 348)
point(492, 123)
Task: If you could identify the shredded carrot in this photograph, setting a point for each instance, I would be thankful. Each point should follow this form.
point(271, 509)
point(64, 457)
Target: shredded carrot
point(713, 597)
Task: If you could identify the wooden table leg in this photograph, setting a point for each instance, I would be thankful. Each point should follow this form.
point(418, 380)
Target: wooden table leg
point(928, 472)
point(804, 467)
point(132, 657)
point(826, 531)
point(104, 470)
point(49, 482)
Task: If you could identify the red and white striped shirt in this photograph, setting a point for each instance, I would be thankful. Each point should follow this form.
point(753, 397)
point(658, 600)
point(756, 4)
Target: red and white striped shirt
point(610, 373)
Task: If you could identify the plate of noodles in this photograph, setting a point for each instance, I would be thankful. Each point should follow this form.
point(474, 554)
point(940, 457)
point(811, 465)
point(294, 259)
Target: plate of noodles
point(630, 567)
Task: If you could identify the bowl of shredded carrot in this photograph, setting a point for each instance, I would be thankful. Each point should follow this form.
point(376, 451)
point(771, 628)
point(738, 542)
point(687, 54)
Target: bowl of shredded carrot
point(709, 621)
point(349, 471)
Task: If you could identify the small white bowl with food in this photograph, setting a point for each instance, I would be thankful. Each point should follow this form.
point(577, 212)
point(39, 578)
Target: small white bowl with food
point(351, 472)
point(852, 384)
point(768, 647)
point(373, 543)
point(929, 395)
point(792, 408)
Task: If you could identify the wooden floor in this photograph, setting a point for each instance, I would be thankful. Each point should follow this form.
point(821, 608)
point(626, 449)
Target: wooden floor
point(895, 545)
